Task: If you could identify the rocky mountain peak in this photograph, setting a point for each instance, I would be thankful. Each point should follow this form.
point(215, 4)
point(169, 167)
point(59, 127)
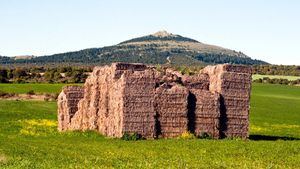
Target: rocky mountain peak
point(163, 33)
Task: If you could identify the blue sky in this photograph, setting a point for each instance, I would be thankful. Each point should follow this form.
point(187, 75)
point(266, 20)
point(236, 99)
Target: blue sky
point(267, 30)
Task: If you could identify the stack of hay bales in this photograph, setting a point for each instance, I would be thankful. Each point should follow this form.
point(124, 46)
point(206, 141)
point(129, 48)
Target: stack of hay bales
point(133, 98)
point(117, 87)
point(67, 105)
point(234, 84)
point(171, 107)
point(207, 113)
point(113, 102)
point(235, 90)
point(93, 105)
point(138, 103)
point(110, 103)
point(204, 106)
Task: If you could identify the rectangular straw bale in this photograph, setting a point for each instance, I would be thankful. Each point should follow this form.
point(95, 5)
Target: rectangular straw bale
point(171, 106)
point(68, 105)
point(207, 112)
point(237, 68)
point(138, 103)
point(199, 81)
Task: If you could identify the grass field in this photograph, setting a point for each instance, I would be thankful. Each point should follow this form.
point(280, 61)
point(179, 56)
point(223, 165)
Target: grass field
point(257, 76)
point(29, 139)
point(37, 88)
point(275, 110)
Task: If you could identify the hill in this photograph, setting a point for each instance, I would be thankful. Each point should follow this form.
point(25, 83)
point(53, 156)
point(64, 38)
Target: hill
point(159, 48)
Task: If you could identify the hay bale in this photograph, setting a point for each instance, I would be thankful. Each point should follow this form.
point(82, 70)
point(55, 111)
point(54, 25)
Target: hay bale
point(234, 84)
point(205, 107)
point(67, 102)
point(171, 106)
point(138, 99)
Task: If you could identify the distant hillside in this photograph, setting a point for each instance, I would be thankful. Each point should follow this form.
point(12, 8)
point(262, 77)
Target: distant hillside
point(159, 48)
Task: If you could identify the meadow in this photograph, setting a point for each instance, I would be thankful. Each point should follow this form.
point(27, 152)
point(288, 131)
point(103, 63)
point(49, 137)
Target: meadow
point(257, 76)
point(39, 88)
point(29, 139)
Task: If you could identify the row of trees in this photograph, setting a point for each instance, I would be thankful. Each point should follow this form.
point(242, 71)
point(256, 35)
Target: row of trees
point(44, 75)
point(76, 74)
point(277, 70)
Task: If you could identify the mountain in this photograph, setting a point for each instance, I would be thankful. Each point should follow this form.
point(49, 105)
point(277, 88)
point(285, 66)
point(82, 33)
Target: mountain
point(158, 48)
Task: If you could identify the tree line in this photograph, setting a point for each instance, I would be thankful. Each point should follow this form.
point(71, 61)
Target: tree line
point(44, 75)
point(78, 74)
point(291, 70)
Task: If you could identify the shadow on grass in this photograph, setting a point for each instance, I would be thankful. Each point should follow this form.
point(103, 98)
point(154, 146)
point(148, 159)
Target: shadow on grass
point(271, 138)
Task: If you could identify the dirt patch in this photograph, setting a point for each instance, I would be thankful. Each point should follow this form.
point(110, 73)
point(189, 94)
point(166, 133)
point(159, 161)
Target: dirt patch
point(34, 97)
point(3, 159)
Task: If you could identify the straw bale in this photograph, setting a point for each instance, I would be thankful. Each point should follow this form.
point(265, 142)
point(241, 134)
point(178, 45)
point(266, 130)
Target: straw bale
point(199, 81)
point(206, 112)
point(237, 68)
point(138, 99)
point(67, 105)
point(234, 84)
point(171, 107)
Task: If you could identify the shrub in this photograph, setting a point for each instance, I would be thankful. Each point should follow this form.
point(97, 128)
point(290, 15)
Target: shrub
point(50, 97)
point(204, 135)
point(2, 93)
point(55, 96)
point(19, 80)
point(5, 94)
point(30, 92)
point(131, 137)
point(3, 79)
point(258, 80)
point(159, 68)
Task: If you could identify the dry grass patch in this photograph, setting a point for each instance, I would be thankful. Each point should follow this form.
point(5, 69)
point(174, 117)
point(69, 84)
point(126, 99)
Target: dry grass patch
point(3, 159)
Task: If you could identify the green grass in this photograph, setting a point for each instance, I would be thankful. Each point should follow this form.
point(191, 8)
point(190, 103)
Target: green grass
point(257, 76)
point(36, 87)
point(29, 139)
point(275, 110)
